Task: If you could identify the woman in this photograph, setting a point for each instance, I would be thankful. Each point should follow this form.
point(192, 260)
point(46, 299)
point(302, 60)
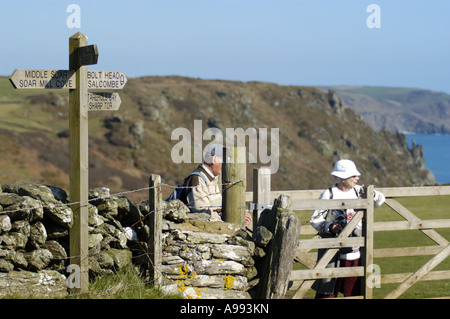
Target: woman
point(330, 223)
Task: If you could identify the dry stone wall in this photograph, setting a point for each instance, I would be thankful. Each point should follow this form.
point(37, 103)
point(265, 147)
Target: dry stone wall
point(205, 259)
point(200, 258)
point(34, 237)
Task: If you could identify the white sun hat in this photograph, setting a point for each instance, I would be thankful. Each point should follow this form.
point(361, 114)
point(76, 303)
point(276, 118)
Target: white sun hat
point(345, 169)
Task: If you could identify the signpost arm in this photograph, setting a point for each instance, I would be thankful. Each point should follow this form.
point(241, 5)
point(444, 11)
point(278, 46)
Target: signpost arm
point(78, 150)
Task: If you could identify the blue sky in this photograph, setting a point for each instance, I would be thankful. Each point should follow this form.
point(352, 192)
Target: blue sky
point(289, 42)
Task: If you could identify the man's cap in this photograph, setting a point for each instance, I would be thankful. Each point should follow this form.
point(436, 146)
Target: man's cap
point(213, 150)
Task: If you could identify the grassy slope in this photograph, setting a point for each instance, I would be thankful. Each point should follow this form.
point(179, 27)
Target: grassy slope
point(312, 135)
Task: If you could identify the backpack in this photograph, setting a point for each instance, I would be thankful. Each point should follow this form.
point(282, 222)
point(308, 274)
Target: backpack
point(339, 216)
point(177, 192)
point(336, 215)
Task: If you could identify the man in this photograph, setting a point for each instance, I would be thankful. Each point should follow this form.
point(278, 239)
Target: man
point(202, 193)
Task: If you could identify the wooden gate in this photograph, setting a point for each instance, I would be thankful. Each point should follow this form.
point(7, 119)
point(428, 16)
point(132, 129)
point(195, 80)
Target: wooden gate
point(439, 252)
point(306, 200)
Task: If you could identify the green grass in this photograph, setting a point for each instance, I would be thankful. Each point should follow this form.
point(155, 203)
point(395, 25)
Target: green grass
point(125, 284)
point(427, 207)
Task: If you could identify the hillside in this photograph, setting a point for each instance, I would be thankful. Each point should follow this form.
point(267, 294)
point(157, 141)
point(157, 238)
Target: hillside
point(399, 109)
point(127, 145)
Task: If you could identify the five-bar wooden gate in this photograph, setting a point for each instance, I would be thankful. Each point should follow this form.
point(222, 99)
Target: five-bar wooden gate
point(307, 200)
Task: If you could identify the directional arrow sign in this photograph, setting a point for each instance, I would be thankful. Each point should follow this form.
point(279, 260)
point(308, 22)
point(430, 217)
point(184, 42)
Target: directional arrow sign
point(65, 79)
point(104, 101)
point(43, 79)
point(86, 55)
point(110, 80)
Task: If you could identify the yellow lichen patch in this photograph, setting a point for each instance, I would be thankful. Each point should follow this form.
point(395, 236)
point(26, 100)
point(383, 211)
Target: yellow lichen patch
point(228, 282)
point(182, 270)
point(181, 286)
point(198, 291)
point(184, 274)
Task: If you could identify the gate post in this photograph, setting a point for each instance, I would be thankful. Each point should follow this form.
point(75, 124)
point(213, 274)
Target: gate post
point(367, 256)
point(234, 179)
point(261, 192)
point(276, 265)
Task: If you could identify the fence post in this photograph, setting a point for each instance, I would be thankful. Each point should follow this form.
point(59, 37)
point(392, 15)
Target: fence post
point(368, 247)
point(261, 191)
point(155, 223)
point(234, 171)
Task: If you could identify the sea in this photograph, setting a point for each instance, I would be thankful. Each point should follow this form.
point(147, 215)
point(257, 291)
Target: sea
point(436, 150)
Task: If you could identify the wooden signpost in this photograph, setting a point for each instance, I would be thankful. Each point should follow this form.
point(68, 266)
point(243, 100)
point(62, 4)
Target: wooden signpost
point(78, 80)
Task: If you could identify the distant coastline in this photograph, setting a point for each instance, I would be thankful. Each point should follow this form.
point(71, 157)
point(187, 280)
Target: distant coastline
point(406, 110)
point(416, 133)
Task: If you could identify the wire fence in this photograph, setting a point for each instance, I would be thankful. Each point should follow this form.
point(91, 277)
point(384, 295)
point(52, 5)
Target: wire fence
point(93, 199)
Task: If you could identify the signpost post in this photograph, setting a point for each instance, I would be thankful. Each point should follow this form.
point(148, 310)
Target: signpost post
point(78, 80)
point(79, 162)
